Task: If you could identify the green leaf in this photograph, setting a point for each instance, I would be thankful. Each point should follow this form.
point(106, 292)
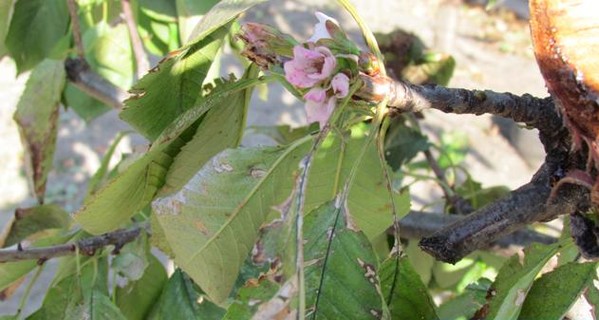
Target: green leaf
point(137, 298)
point(221, 128)
point(36, 28)
point(341, 269)
point(221, 14)
point(12, 272)
point(29, 221)
point(190, 12)
point(86, 107)
point(136, 186)
point(284, 134)
point(131, 262)
point(465, 305)
point(71, 290)
point(402, 144)
point(172, 87)
point(406, 295)
point(552, 295)
point(37, 116)
point(369, 200)
point(101, 175)
point(100, 307)
point(179, 300)
point(211, 229)
point(157, 25)
point(250, 297)
point(6, 7)
point(515, 279)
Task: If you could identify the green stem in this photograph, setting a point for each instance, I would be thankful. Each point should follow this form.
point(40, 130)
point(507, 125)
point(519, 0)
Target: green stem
point(28, 290)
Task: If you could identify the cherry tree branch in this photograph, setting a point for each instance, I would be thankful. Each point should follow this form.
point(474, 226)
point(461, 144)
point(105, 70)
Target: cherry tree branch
point(86, 80)
point(87, 246)
point(406, 97)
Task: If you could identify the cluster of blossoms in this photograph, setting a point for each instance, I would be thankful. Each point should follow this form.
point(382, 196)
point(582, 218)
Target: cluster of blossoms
point(321, 68)
point(313, 68)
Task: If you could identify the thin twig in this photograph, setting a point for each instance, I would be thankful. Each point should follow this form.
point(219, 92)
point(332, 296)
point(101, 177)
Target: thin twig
point(138, 49)
point(87, 246)
point(76, 28)
point(86, 80)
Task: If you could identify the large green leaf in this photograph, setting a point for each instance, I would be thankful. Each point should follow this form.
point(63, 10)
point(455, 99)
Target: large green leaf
point(172, 87)
point(137, 298)
point(221, 128)
point(212, 223)
point(29, 221)
point(552, 295)
point(179, 300)
point(100, 307)
point(37, 116)
point(341, 269)
point(6, 7)
point(515, 279)
point(369, 200)
point(133, 189)
point(406, 295)
point(36, 28)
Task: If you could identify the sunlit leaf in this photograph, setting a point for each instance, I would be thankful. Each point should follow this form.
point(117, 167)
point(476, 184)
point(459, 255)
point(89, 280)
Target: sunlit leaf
point(36, 28)
point(211, 229)
point(221, 14)
point(552, 295)
point(221, 128)
point(369, 201)
point(29, 221)
point(157, 25)
point(179, 300)
point(284, 134)
point(515, 279)
point(341, 269)
point(137, 298)
point(172, 87)
point(37, 116)
point(404, 292)
point(102, 174)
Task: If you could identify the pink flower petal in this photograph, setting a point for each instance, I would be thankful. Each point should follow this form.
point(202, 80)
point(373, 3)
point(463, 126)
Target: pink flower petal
point(316, 94)
point(340, 84)
point(309, 66)
point(320, 112)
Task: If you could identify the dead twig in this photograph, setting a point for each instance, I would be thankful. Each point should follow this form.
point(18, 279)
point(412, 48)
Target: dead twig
point(141, 58)
point(72, 4)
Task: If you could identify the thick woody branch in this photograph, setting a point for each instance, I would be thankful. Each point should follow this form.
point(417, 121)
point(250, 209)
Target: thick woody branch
point(523, 206)
point(407, 97)
point(87, 246)
point(418, 225)
point(86, 80)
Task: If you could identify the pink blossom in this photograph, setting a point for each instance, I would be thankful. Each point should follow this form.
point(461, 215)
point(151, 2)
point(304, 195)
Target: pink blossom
point(309, 66)
point(316, 94)
point(320, 29)
point(320, 111)
point(340, 84)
